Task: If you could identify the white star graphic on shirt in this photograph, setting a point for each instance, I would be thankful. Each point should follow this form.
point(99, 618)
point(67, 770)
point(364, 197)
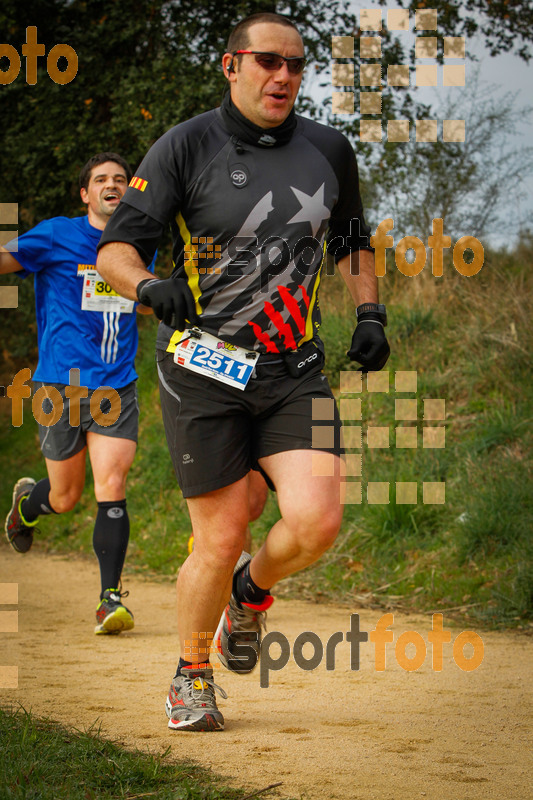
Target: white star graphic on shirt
point(312, 209)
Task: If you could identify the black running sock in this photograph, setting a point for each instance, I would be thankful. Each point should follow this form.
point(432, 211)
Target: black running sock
point(245, 590)
point(37, 501)
point(110, 541)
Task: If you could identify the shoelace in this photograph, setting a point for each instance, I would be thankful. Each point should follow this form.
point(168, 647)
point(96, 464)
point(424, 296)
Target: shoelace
point(196, 694)
point(119, 591)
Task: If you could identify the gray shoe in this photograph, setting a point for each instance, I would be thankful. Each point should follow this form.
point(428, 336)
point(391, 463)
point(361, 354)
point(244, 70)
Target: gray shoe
point(238, 636)
point(19, 532)
point(191, 703)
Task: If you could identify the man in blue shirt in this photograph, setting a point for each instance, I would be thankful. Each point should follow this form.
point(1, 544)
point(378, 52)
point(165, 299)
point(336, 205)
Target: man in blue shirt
point(87, 338)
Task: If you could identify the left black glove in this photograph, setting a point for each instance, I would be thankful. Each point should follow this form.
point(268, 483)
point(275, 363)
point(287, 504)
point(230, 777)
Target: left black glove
point(369, 343)
point(170, 299)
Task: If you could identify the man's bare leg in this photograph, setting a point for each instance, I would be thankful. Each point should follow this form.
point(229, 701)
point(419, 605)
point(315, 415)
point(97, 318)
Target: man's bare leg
point(67, 479)
point(111, 459)
point(311, 516)
point(219, 520)
point(309, 495)
point(257, 497)
point(310, 503)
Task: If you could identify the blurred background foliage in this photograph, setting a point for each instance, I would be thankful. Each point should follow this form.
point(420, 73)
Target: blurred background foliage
point(146, 66)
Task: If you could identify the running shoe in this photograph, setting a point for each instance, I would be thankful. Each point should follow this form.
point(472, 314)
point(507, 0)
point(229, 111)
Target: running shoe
point(191, 703)
point(111, 616)
point(245, 622)
point(19, 532)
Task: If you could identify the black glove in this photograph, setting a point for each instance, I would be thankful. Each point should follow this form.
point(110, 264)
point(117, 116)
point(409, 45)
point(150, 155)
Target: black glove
point(369, 343)
point(171, 301)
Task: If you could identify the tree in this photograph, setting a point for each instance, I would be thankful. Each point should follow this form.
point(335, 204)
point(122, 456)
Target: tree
point(469, 184)
point(142, 68)
point(140, 72)
point(146, 66)
point(506, 25)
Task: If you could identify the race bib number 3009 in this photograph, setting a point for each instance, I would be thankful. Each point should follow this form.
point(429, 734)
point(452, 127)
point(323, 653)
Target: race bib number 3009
point(98, 295)
point(215, 359)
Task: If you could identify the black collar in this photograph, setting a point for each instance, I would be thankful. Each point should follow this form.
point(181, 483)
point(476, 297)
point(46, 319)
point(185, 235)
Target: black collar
point(248, 132)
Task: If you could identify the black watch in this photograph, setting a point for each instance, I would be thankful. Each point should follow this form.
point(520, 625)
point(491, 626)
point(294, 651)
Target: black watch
point(375, 308)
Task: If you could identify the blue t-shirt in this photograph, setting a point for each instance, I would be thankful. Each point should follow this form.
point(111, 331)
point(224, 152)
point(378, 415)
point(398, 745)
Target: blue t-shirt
point(101, 344)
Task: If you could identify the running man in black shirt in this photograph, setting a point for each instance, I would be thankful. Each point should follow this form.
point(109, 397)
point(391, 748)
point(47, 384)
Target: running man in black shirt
point(251, 190)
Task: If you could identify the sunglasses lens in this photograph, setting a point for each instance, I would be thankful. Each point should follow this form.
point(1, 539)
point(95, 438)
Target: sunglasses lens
point(269, 61)
point(296, 65)
point(272, 63)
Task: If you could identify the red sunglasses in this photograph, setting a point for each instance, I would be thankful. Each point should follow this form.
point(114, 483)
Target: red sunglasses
point(274, 61)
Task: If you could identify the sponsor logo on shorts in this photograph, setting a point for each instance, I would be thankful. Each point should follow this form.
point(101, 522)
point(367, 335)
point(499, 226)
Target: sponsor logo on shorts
point(187, 458)
point(115, 513)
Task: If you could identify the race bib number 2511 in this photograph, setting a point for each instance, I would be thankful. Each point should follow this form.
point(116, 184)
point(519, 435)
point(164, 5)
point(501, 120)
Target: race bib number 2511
point(215, 359)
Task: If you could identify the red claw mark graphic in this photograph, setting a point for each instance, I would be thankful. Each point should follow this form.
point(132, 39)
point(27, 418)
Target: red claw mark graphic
point(264, 338)
point(292, 306)
point(305, 296)
point(284, 328)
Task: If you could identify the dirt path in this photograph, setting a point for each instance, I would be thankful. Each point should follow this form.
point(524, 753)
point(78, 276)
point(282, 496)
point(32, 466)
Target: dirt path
point(340, 734)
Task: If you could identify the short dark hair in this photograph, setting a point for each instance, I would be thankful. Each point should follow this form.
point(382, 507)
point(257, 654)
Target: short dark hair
point(239, 38)
point(101, 158)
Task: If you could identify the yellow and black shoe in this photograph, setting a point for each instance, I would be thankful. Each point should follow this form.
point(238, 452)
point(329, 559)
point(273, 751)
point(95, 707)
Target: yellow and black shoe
point(113, 617)
point(19, 531)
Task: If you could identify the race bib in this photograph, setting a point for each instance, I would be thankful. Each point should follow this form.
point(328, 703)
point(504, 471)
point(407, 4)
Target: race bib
point(203, 353)
point(98, 295)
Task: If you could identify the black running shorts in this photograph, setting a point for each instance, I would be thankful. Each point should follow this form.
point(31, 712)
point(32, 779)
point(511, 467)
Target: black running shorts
point(216, 433)
point(62, 439)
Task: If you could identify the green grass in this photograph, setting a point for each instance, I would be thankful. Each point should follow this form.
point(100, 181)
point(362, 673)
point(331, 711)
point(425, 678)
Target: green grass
point(41, 760)
point(469, 340)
